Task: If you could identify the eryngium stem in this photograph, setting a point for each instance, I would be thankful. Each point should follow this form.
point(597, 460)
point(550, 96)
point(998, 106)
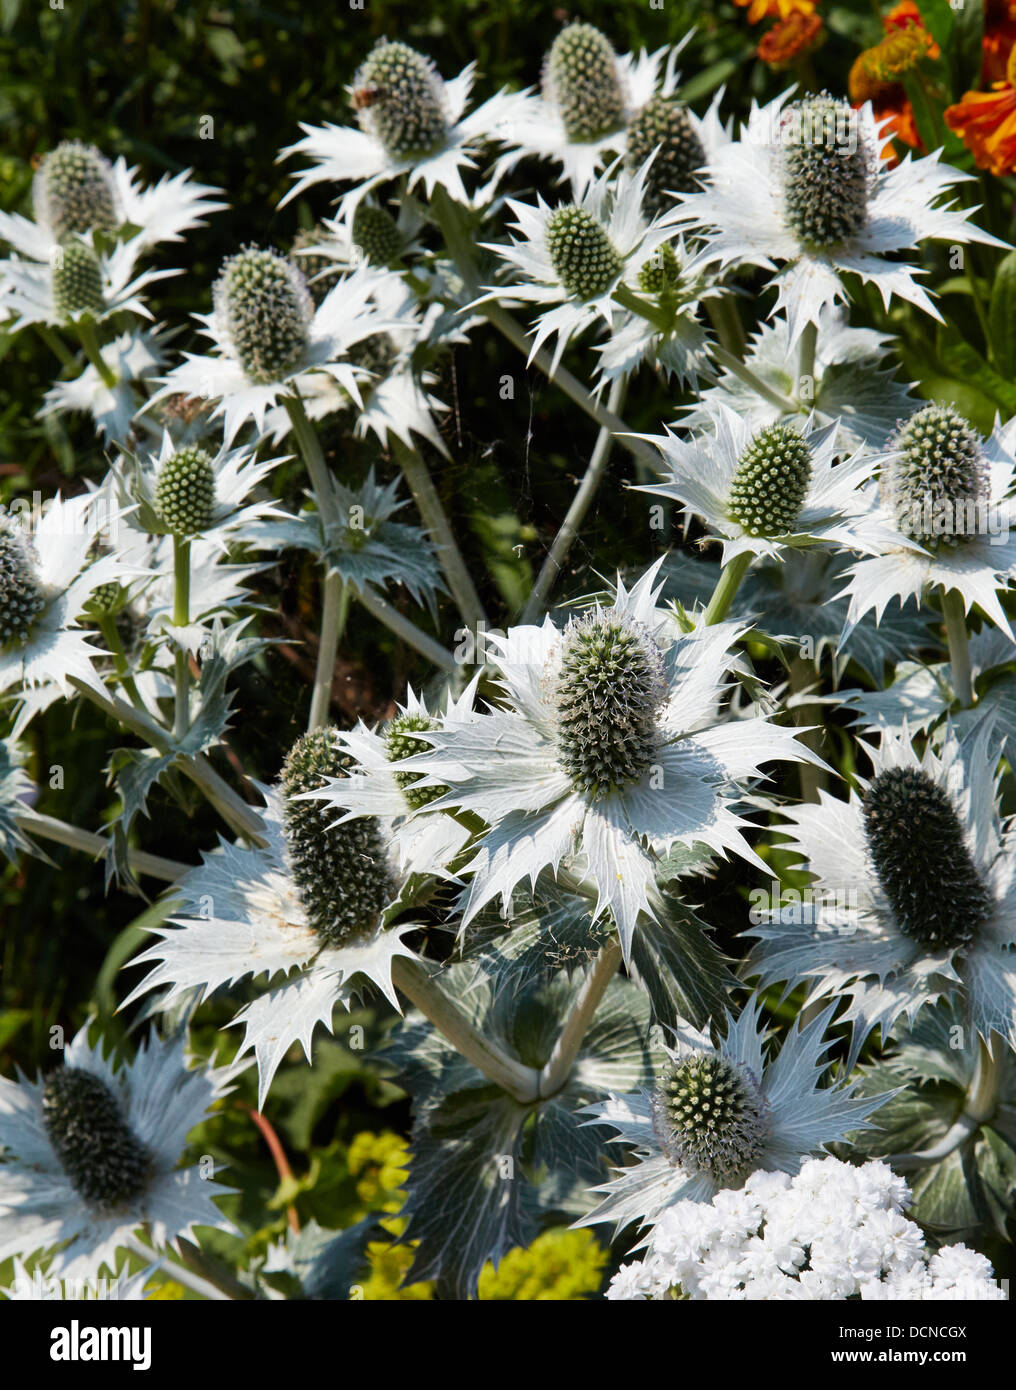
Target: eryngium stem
point(513, 1076)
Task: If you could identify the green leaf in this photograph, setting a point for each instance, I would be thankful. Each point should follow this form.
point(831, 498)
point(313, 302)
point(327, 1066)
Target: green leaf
point(704, 83)
point(1002, 316)
point(942, 1195)
point(965, 50)
point(550, 930)
point(939, 18)
point(486, 1170)
point(327, 1263)
point(675, 962)
point(968, 364)
point(11, 1022)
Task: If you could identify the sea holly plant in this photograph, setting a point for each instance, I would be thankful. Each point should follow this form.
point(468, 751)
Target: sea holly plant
point(544, 662)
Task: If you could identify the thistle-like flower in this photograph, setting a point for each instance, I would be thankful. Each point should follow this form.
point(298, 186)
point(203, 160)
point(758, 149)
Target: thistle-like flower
point(91, 1152)
point(571, 260)
point(269, 339)
point(394, 395)
point(375, 786)
point(672, 340)
point(309, 910)
point(946, 515)
point(77, 193)
point(71, 280)
point(805, 186)
point(913, 893)
point(719, 1114)
point(596, 103)
point(610, 750)
point(413, 125)
point(192, 491)
point(48, 574)
point(764, 490)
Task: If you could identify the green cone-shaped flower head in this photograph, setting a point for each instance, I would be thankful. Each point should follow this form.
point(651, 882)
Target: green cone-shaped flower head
point(584, 258)
point(711, 1117)
point(86, 1124)
point(661, 274)
point(73, 191)
point(664, 125)
point(77, 281)
point(826, 171)
point(376, 233)
point(400, 743)
point(263, 305)
point(936, 483)
point(771, 481)
point(399, 99)
point(922, 860)
point(341, 871)
point(609, 689)
point(185, 492)
point(581, 78)
point(377, 353)
point(21, 596)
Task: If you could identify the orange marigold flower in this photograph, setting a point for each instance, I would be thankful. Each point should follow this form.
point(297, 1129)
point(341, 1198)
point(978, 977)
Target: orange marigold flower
point(877, 72)
point(780, 9)
point(903, 15)
point(902, 49)
point(790, 39)
point(986, 122)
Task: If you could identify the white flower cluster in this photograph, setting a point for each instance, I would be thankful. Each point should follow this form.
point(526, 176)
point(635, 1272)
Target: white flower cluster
point(835, 1231)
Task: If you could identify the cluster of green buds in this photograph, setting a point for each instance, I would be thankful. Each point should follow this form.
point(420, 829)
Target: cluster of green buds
point(922, 859)
point(74, 194)
point(664, 125)
point(936, 482)
point(376, 233)
point(584, 258)
point(185, 492)
point(401, 742)
point(21, 594)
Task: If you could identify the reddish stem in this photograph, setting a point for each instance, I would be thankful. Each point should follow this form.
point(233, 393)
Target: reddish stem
point(281, 1161)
